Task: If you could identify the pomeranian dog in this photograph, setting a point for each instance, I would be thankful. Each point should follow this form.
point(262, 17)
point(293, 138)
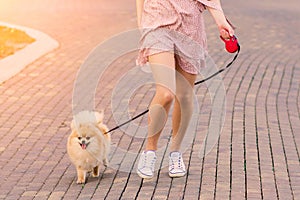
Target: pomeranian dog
point(88, 144)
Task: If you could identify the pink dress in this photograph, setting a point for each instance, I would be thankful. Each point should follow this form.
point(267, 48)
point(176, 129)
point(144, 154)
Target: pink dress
point(176, 26)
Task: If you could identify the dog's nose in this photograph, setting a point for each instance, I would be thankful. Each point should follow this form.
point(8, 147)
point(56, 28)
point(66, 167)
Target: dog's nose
point(83, 142)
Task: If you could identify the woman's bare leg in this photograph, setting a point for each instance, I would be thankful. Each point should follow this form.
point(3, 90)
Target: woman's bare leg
point(183, 106)
point(163, 69)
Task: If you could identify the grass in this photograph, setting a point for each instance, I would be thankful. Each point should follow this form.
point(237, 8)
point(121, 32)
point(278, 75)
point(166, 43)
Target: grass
point(12, 40)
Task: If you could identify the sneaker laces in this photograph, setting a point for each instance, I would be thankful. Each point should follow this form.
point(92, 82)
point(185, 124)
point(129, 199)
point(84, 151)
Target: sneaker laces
point(178, 164)
point(148, 162)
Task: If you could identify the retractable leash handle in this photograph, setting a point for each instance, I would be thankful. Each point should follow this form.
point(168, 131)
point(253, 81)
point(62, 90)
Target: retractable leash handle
point(231, 45)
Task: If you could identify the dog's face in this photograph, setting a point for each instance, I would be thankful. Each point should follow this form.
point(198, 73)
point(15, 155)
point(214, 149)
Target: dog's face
point(83, 141)
point(84, 136)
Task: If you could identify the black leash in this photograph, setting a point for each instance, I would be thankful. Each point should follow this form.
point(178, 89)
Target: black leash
point(132, 119)
point(196, 83)
point(221, 70)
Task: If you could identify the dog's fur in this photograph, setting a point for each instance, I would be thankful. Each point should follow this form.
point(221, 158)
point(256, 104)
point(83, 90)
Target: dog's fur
point(88, 144)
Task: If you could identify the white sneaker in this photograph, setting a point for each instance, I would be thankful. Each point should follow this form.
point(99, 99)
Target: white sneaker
point(146, 164)
point(176, 165)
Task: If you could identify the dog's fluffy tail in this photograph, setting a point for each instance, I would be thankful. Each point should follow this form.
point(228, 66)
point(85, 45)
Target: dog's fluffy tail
point(85, 117)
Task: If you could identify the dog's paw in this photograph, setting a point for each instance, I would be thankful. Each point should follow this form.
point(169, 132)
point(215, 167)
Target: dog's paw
point(105, 163)
point(80, 181)
point(95, 171)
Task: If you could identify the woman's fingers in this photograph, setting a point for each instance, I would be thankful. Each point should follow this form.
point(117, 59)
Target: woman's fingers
point(224, 34)
point(226, 31)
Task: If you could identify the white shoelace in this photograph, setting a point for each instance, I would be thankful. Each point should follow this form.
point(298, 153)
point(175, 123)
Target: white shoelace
point(149, 163)
point(178, 164)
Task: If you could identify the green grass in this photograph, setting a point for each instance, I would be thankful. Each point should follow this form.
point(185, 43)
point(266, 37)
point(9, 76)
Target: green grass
point(12, 40)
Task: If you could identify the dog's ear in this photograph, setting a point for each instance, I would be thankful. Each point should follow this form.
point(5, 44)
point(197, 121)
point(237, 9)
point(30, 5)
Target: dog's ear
point(74, 126)
point(99, 116)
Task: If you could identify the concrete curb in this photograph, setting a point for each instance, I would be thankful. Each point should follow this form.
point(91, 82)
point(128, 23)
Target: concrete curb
point(13, 64)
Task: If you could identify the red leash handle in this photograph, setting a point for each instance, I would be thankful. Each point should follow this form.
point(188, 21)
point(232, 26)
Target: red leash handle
point(231, 44)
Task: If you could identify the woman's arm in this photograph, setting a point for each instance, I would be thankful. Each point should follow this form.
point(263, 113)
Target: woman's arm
point(139, 11)
point(226, 30)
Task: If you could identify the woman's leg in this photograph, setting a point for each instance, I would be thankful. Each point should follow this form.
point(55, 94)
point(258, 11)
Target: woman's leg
point(163, 69)
point(183, 106)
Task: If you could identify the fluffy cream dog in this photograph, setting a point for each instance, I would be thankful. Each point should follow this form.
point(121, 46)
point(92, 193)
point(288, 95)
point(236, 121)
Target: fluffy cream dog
point(88, 144)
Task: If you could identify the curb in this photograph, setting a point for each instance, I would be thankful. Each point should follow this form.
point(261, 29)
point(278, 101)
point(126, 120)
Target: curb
point(13, 64)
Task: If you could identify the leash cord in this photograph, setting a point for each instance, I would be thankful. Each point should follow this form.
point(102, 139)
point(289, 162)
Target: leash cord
point(196, 83)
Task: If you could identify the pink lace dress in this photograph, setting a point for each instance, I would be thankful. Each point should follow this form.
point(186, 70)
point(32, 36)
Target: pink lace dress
point(176, 26)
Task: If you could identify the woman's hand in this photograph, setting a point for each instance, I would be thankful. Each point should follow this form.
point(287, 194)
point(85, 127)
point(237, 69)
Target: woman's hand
point(226, 30)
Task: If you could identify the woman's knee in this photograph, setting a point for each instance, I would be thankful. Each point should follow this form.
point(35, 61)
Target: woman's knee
point(166, 96)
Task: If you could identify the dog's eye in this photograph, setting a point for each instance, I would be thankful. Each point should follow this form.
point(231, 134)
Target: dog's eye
point(79, 138)
point(88, 138)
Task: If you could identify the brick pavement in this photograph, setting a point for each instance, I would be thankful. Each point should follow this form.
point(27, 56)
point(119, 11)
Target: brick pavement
point(255, 157)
